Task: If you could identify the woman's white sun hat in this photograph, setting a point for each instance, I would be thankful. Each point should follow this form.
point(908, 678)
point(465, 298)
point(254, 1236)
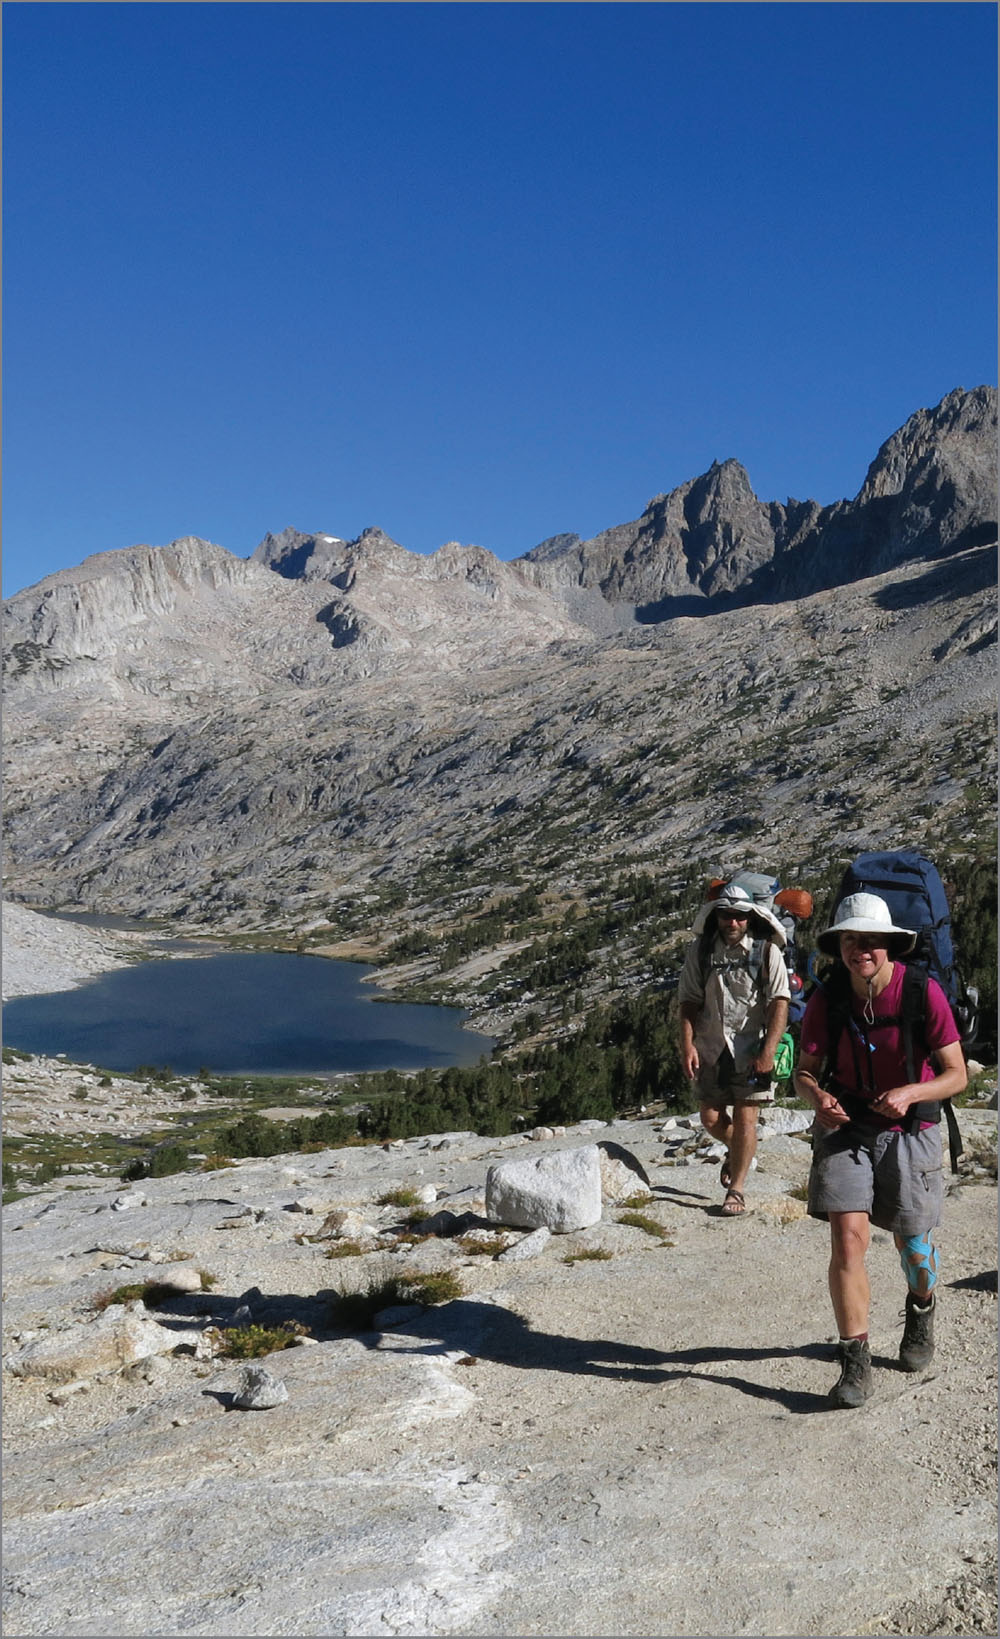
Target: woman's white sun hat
point(865, 913)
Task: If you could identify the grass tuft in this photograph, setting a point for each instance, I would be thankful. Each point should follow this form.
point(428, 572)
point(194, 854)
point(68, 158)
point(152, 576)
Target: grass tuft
point(152, 1293)
point(345, 1249)
point(355, 1311)
point(640, 1220)
point(400, 1197)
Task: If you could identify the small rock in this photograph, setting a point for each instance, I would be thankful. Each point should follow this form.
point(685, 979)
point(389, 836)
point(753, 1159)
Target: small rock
point(150, 1370)
point(66, 1391)
point(344, 1225)
point(529, 1247)
point(180, 1277)
point(712, 1151)
point(259, 1390)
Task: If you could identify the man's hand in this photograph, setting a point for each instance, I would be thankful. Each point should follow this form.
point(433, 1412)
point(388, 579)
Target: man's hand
point(690, 1063)
point(763, 1064)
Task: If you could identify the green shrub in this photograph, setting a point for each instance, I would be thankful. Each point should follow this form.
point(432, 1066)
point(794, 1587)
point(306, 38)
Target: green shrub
point(250, 1342)
point(160, 1163)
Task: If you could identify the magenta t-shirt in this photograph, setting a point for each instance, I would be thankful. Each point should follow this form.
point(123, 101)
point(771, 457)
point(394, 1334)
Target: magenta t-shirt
point(884, 1044)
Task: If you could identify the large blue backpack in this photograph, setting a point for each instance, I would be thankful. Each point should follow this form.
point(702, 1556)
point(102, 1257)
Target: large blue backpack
point(912, 888)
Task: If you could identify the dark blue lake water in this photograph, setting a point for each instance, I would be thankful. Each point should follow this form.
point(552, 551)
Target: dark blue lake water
point(262, 1013)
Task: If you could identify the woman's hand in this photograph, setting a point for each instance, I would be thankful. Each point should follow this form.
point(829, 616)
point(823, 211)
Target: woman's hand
point(829, 1113)
point(895, 1103)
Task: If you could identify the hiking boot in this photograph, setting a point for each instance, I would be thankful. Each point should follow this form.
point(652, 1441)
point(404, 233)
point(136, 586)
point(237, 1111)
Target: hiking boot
point(854, 1384)
point(917, 1347)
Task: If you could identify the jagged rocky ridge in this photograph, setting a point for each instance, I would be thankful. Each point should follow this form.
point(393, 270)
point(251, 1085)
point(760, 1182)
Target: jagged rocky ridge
point(328, 724)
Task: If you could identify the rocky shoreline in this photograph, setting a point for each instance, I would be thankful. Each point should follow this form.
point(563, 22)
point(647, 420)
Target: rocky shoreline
point(43, 953)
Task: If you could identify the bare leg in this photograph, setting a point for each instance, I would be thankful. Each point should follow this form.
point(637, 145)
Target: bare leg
point(717, 1123)
point(742, 1143)
point(850, 1233)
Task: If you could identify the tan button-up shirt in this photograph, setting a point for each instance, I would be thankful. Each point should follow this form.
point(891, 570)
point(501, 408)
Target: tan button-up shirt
point(733, 1006)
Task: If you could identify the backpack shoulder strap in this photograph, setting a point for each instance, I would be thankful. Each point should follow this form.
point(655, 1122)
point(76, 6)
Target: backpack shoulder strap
point(914, 1030)
point(835, 989)
point(913, 1016)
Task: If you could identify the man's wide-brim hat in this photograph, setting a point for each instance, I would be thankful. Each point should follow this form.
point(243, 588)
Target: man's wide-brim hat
point(865, 913)
point(732, 898)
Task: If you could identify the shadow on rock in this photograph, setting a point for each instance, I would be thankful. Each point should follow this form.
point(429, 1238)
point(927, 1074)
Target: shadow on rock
point(683, 1197)
point(487, 1332)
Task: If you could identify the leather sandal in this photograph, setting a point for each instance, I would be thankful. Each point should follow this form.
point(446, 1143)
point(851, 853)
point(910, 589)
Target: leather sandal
point(734, 1205)
point(725, 1176)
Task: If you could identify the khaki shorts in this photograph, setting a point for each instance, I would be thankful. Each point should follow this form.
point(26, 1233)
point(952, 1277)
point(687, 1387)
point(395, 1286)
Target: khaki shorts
point(895, 1177)
point(721, 1084)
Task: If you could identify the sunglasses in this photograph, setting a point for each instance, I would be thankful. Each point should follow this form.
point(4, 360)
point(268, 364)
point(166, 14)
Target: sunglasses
point(732, 916)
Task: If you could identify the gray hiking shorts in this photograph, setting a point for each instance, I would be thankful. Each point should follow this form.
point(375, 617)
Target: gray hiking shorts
point(895, 1177)
point(721, 1084)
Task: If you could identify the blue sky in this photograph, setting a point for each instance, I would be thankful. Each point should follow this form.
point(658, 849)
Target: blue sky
point(476, 272)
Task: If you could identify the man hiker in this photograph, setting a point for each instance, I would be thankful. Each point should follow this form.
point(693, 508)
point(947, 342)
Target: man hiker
point(733, 998)
point(876, 1139)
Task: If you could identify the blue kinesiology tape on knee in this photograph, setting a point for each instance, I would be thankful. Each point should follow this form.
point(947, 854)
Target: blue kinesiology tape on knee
point(918, 1256)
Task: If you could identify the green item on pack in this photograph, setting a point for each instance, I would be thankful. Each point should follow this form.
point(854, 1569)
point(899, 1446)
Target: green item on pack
point(784, 1058)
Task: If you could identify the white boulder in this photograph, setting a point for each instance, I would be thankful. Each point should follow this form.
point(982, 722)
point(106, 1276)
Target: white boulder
point(560, 1191)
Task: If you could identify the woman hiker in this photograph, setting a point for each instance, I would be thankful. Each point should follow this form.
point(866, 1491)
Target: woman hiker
point(876, 1140)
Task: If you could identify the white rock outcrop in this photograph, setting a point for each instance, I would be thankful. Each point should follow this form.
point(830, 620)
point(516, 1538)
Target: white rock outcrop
point(124, 1333)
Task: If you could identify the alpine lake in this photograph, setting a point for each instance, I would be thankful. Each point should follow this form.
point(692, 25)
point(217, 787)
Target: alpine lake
point(259, 1013)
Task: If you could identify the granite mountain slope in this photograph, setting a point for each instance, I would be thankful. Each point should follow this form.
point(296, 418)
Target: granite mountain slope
point(335, 730)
